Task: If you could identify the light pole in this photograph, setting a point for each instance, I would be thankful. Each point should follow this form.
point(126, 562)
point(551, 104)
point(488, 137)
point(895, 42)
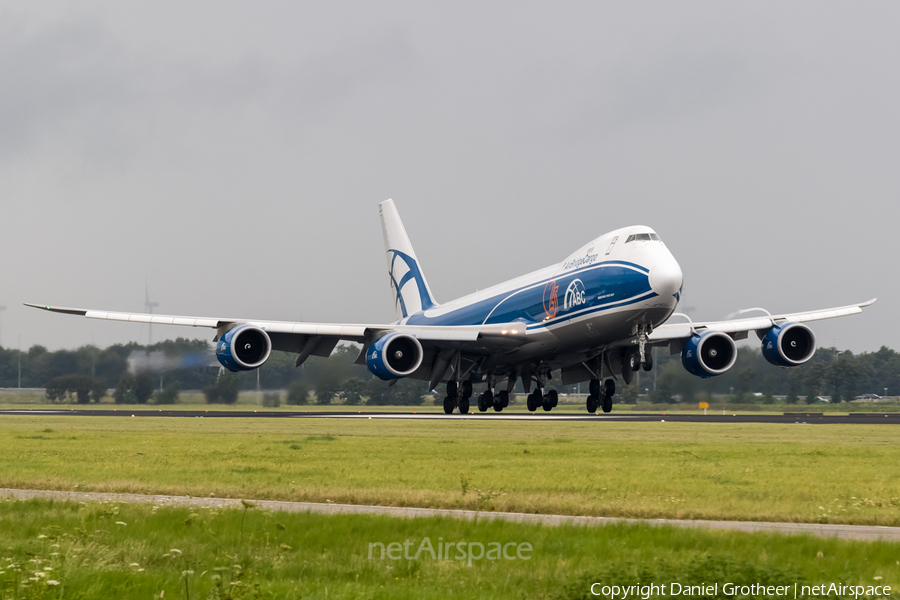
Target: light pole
point(2, 308)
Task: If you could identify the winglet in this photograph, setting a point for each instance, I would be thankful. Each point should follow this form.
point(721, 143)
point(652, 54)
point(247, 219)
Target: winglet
point(869, 303)
point(59, 309)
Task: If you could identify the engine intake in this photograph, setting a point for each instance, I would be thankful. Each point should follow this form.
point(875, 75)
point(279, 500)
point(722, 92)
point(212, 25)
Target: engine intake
point(709, 354)
point(789, 345)
point(394, 356)
point(243, 348)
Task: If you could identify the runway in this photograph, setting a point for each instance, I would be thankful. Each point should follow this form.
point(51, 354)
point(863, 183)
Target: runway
point(850, 532)
point(810, 418)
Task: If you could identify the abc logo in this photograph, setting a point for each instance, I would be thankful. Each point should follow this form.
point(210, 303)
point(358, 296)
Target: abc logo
point(575, 295)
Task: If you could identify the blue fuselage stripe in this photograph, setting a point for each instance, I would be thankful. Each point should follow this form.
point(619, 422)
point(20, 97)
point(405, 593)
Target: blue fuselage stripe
point(547, 301)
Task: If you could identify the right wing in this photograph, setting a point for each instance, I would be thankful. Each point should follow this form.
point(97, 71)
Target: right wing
point(736, 327)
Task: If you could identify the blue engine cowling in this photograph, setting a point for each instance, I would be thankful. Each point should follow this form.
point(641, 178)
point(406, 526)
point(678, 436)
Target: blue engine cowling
point(243, 348)
point(789, 345)
point(709, 354)
point(394, 356)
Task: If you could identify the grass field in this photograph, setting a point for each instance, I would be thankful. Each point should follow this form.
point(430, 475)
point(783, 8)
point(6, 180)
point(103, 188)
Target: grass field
point(94, 550)
point(793, 473)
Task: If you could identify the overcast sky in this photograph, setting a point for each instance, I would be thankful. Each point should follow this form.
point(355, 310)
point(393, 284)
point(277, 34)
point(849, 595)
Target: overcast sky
point(232, 155)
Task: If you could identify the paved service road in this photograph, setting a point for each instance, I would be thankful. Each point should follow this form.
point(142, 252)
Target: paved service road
point(810, 418)
point(850, 532)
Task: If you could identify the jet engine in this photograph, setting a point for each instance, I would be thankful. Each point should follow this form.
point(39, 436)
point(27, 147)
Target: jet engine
point(709, 354)
point(243, 348)
point(393, 356)
point(789, 345)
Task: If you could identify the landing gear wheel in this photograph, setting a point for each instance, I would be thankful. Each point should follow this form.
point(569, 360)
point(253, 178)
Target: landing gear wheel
point(554, 398)
point(547, 403)
point(501, 401)
point(531, 404)
point(464, 405)
point(467, 389)
point(648, 360)
point(606, 404)
point(609, 387)
point(594, 388)
point(592, 404)
point(452, 388)
point(485, 400)
point(633, 360)
point(448, 405)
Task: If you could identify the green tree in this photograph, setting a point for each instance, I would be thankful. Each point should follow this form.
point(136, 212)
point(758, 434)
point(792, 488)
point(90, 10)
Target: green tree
point(224, 391)
point(169, 394)
point(298, 393)
point(353, 390)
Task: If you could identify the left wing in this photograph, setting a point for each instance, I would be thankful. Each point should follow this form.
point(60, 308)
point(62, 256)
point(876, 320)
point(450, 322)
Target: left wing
point(737, 327)
point(318, 339)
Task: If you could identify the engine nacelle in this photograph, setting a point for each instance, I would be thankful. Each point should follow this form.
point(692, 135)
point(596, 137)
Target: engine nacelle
point(709, 354)
point(243, 348)
point(789, 345)
point(394, 356)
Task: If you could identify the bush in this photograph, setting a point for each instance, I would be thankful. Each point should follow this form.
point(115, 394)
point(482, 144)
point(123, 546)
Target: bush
point(224, 391)
point(169, 394)
point(298, 393)
point(80, 388)
point(353, 390)
point(135, 389)
point(272, 400)
point(405, 392)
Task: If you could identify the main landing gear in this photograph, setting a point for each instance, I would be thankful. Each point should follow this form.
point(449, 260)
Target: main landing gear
point(457, 396)
point(546, 401)
point(489, 399)
point(601, 395)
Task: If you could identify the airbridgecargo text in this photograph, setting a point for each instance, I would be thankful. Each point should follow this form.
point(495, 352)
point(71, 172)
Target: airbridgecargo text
point(792, 590)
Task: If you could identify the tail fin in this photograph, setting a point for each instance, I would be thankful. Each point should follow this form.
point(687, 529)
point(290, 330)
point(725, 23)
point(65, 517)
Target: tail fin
point(411, 291)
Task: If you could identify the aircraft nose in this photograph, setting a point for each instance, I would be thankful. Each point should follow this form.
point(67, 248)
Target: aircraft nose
point(666, 277)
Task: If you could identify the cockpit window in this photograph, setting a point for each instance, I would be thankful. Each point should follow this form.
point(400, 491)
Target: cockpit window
point(642, 237)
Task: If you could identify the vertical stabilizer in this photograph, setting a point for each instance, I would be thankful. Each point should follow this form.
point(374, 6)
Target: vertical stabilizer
point(408, 285)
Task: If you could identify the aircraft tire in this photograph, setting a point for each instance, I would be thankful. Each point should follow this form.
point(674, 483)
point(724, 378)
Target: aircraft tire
point(546, 403)
point(632, 360)
point(466, 389)
point(627, 371)
point(609, 388)
point(606, 404)
point(483, 403)
point(594, 388)
point(464, 405)
point(448, 405)
point(529, 403)
point(591, 404)
point(452, 388)
point(504, 399)
point(648, 360)
point(554, 398)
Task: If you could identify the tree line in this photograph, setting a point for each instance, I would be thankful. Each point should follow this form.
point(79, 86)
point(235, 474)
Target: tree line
point(85, 374)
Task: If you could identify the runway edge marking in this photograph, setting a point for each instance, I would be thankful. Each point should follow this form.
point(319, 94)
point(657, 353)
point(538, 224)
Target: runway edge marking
point(850, 532)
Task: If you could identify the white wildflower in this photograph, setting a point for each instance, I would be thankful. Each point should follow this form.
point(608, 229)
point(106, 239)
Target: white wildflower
point(52, 582)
